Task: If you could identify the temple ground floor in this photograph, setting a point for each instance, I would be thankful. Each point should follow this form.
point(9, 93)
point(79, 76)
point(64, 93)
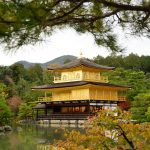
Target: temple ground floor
point(71, 110)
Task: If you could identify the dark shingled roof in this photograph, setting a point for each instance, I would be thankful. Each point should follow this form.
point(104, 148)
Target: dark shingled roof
point(79, 62)
point(76, 83)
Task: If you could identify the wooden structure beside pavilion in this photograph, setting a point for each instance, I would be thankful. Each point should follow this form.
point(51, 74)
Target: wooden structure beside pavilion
point(79, 89)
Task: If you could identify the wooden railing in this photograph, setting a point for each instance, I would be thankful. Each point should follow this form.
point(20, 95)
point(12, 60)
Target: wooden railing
point(122, 98)
point(49, 99)
point(44, 99)
point(82, 78)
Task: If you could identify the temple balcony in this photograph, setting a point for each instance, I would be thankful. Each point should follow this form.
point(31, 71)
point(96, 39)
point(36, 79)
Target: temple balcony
point(71, 98)
point(59, 79)
point(122, 98)
point(44, 99)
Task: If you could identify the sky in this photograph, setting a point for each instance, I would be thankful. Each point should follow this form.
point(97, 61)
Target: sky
point(69, 42)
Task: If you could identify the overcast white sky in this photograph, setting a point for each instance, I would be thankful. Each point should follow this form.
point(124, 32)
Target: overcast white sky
point(69, 42)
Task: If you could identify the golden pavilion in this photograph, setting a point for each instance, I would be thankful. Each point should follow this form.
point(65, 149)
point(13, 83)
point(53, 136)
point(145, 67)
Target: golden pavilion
point(78, 90)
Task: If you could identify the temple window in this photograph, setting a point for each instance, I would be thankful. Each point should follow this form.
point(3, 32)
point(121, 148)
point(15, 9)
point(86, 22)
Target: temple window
point(85, 75)
point(97, 76)
point(78, 76)
point(64, 77)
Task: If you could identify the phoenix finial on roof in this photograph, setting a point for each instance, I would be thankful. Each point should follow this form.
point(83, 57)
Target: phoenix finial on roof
point(81, 55)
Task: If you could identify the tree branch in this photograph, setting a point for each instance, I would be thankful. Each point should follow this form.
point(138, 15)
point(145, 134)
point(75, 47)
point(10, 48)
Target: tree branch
point(146, 17)
point(108, 14)
point(69, 12)
point(125, 7)
point(121, 20)
point(126, 138)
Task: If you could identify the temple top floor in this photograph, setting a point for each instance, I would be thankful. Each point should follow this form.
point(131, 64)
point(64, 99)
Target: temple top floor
point(79, 70)
point(80, 75)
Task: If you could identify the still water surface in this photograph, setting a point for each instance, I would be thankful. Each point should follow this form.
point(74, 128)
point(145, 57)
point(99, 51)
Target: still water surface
point(30, 137)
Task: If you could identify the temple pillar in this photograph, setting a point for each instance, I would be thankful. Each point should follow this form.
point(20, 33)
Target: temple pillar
point(37, 114)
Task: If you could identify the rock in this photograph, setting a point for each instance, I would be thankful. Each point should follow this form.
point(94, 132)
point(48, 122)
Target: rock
point(2, 129)
point(7, 128)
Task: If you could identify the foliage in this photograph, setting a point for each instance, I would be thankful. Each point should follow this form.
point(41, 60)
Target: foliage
point(5, 114)
point(31, 96)
point(107, 131)
point(140, 107)
point(132, 61)
point(2, 90)
point(25, 111)
point(48, 77)
point(23, 22)
point(5, 71)
point(35, 74)
point(19, 80)
point(18, 71)
point(148, 114)
point(135, 79)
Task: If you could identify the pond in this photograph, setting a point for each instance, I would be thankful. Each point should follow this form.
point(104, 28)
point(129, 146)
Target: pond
point(30, 137)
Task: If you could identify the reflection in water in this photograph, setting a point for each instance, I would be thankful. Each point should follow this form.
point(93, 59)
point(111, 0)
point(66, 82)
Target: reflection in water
point(30, 137)
point(44, 147)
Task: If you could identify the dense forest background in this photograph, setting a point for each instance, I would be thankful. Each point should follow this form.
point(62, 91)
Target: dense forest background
point(134, 71)
point(16, 82)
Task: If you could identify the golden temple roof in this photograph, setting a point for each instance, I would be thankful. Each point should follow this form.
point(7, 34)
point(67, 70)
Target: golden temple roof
point(76, 83)
point(79, 62)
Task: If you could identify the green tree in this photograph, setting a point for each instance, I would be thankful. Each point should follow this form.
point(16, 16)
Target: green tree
point(25, 111)
point(35, 74)
point(115, 61)
point(140, 107)
point(31, 96)
point(132, 62)
point(22, 22)
point(5, 71)
point(22, 87)
point(6, 78)
point(5, 113)
point(136, 79)
point(18, 71)
point(48, 77)
point(145, 63)
point(99, 60)
point(148, 114)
